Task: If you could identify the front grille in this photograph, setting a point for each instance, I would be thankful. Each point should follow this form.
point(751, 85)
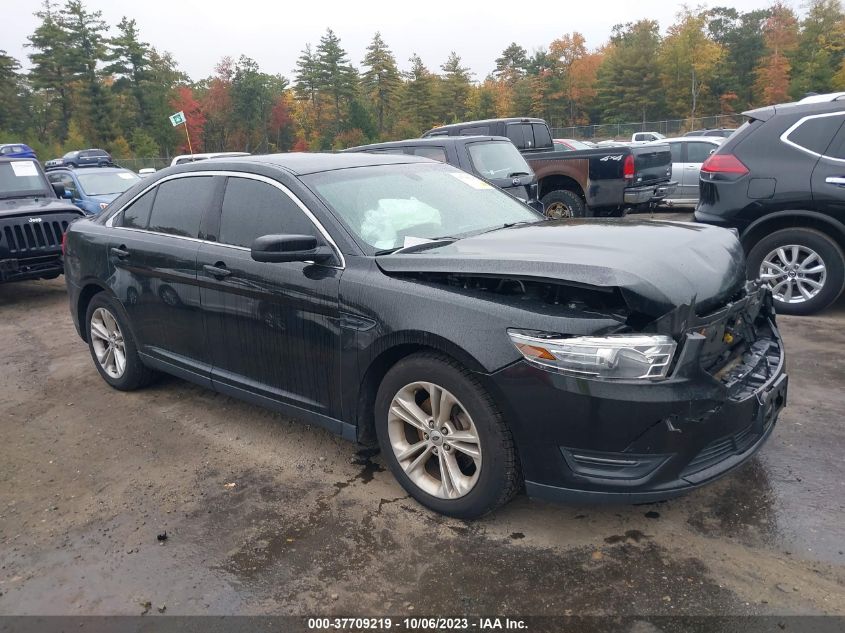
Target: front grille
point(721, 449)
point(28, 238)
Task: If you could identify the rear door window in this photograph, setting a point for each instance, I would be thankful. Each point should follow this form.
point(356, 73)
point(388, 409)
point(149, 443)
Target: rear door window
point(252, 208)
point(542, 137)
point(677, 151)
point(816, 133)
point(180, 204)
point(481, 130)
point(436, 153)
point(515, 132)
point(698, 152)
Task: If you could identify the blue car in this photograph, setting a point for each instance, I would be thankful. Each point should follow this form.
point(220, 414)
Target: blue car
point(92, 188)
point(16, 150)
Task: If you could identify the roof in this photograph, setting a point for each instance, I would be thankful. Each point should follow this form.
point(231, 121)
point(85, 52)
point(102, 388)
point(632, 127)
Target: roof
point(431, 140)
point(301, 163)
point(513, 119)
point(709, 139)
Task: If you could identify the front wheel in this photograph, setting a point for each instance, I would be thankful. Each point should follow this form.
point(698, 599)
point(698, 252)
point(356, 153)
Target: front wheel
point(564, 204)
point(804, 268)
point(444, 439)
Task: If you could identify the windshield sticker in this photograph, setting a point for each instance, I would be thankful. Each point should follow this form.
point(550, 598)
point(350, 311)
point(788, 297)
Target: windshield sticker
point(470, 180)
point(24, 168)
point(126, 176)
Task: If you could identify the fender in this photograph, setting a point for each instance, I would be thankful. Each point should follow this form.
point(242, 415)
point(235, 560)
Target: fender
point(835, 224)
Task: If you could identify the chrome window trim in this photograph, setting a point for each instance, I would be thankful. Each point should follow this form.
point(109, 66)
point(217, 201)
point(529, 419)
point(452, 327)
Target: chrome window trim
point(785, 136)
point(234, 174)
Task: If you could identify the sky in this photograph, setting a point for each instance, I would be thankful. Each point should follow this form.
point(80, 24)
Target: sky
point(274, 32)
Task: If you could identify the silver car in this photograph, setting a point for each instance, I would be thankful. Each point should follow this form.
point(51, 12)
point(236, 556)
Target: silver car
point(688, 153)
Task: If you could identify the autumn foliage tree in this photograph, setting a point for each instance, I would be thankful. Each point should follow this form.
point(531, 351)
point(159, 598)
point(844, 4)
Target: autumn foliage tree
point(780, 39)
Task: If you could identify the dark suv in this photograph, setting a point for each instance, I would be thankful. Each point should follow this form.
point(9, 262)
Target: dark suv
point(33, 219)
point(780, 181)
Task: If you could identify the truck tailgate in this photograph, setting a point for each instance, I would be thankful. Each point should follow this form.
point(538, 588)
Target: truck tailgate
point(652, 163)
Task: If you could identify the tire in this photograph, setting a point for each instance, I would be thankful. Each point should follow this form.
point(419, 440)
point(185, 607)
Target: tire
point(806, 242)
point(483, 483)
point(134, 374)
point(564, 204)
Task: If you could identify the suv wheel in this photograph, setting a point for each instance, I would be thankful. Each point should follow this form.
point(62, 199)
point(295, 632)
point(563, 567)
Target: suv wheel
point(564, 204)
point(443, 437)
point(804, 268)
point(112, 345)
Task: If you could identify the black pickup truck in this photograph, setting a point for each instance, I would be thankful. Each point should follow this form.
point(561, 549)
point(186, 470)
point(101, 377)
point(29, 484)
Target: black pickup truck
point(33, 219)
point(577, 183)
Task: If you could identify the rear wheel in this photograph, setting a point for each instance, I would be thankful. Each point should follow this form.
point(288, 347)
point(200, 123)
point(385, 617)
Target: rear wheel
point(443, 437)
point(564, 204)
point(112, 345)
point(804, 268)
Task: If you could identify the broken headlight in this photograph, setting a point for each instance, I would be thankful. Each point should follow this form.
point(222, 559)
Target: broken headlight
point(618, 357)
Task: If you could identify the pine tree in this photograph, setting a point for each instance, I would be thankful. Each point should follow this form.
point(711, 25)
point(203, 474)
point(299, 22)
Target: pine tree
point(52, 69)
point(11, 94)
point(129, 60)
point(455, 89)
point(86, 40)
point(512, 64)
point(381, 79)
point(417, 101)
point(628, 83)
point(336, 76)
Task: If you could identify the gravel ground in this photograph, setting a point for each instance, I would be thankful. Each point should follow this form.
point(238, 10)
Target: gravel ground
point(266, 515)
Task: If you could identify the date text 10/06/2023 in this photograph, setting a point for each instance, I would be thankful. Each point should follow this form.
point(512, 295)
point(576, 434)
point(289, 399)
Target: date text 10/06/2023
point(417, 624)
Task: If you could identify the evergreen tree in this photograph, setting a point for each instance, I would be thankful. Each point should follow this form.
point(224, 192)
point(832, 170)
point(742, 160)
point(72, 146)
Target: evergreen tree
point(628, 81)
point(417, 102)
point(11, 94)
point(512, 64)
point(129, 60)
point(455, 89)
point(52, 68)
point(336, 76)
point(380, 79)
point(85, 38)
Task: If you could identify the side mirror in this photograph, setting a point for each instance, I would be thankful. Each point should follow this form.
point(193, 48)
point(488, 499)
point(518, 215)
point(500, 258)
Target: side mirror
point(60, 190)
point(289, 248)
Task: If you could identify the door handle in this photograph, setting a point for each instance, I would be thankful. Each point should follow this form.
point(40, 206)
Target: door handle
point(120, 252)
point(218, 271)
point(835, 180)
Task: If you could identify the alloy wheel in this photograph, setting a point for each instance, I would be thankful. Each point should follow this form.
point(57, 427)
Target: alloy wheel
point(558, 211)
point(434, 440)
point(795, 273)
point(107, 341)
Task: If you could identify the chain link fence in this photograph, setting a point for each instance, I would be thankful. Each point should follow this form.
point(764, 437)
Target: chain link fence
point(141, 163)
point(624, 131)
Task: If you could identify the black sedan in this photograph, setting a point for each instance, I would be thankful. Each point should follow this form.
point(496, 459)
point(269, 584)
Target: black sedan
point(402, 302)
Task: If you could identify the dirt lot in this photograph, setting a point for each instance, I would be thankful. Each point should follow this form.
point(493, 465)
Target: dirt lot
point(266, 515)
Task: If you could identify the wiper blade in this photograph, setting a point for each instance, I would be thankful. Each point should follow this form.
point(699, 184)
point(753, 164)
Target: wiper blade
point(518, 173)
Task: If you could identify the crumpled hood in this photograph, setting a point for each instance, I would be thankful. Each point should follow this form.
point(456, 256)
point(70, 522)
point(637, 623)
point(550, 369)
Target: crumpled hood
point(35, 206)
point(657, 265)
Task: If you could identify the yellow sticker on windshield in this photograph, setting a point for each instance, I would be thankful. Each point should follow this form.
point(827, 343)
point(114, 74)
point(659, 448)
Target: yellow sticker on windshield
point(470, 180)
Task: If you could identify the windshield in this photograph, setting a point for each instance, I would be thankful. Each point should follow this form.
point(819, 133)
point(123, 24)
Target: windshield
point(102, 184)
point(391, 206)
point(498, 160)
point(21, 178)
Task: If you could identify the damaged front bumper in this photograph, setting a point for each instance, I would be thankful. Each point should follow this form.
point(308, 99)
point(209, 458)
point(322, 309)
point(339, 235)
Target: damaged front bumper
point(628, 441)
